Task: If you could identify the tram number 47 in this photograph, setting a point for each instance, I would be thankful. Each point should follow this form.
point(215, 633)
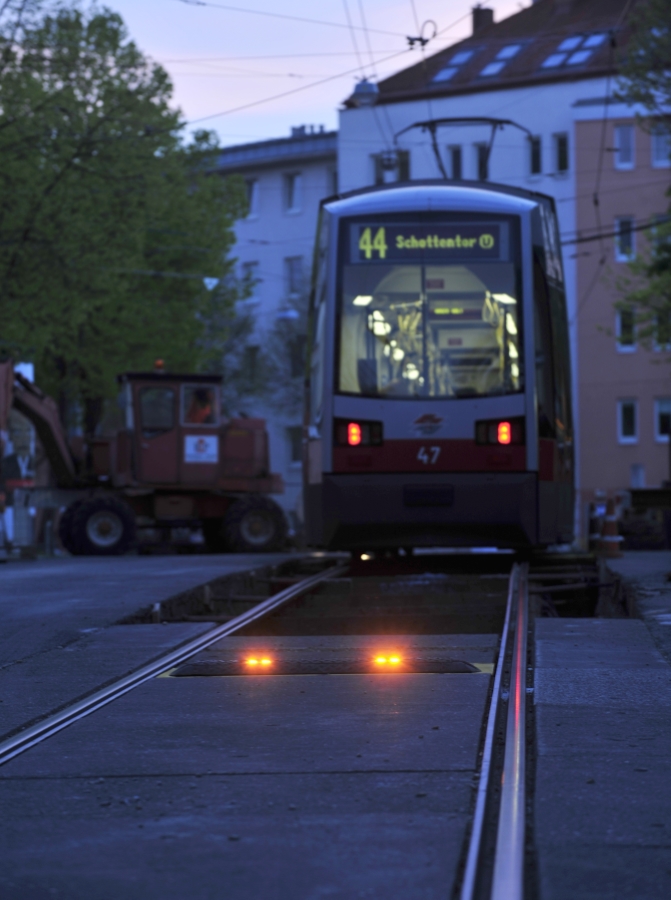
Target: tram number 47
point(428, 455)
point(369, 244)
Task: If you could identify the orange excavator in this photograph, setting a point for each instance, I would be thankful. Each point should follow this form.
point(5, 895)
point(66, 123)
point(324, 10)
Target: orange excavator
point(177, 462)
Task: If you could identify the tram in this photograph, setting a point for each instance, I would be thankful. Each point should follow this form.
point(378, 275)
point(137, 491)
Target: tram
point(438, 403)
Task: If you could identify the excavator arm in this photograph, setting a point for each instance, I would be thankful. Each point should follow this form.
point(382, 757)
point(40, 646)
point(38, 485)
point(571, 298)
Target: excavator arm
point(41, 410)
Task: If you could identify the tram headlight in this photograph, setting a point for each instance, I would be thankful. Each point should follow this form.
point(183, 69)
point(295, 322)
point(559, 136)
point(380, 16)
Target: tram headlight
point(355, 433)
point(502, 432)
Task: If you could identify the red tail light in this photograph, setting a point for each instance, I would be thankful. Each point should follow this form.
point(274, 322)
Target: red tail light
point(356, 434)
point(504, 433)
point(353, 434)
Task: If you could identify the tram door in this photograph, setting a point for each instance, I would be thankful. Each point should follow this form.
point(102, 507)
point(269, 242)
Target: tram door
point(157, 439)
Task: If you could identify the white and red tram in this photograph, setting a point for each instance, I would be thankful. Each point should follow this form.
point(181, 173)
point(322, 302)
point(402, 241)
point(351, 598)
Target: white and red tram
point(438, 408)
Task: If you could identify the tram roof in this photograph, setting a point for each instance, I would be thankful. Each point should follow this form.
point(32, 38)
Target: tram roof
point(402, 196)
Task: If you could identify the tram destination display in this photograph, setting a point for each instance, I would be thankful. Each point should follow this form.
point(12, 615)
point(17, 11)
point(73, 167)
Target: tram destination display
point(413, 242)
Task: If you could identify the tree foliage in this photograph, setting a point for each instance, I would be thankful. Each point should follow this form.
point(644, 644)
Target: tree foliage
point(646, 79)
point(109, 220)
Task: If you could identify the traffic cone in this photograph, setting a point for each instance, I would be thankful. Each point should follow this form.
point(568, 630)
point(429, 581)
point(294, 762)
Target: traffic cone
point(610, 540)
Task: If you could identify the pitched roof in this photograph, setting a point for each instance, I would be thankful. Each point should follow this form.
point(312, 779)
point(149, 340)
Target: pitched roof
point(552, 40)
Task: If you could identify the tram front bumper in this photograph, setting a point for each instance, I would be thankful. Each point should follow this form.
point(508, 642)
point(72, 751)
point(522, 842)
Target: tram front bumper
point(460, 510)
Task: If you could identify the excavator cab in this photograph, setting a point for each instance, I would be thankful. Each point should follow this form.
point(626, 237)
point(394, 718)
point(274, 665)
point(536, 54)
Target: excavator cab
point(176, 424)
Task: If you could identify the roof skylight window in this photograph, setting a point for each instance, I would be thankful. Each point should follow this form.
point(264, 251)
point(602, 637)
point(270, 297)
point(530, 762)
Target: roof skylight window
point(502, 57)
point(594, 40)
point(568, 52)
point(580, 56)
point(462, 57)
point(554, 60)
point(509, 51)
point(445, 74)
point(492, 68)
point(571, 43)
point(451, 69)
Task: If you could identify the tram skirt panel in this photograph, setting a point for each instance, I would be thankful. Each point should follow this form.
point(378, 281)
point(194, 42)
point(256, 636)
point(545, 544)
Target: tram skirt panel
point(458, 510)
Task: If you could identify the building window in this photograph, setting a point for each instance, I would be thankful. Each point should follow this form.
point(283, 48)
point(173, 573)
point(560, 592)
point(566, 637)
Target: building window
point(293, 184)
point(252, 188)
point(625, 330)
point(627, 421)
point(333, 180)
point(391, 166)
point(637, 476)
point(535, 151)
point(250, 278)
point(295, 440)
point(662, 420)
point(624, 239)
point(561, 153)
point(250, 363)
point(293, 275)
point(482, 161)
point(624, 147)
point(456, 170)
point(660, 146)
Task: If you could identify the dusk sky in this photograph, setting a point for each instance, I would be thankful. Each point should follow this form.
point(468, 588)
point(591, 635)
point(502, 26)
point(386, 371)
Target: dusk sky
point(221, 58)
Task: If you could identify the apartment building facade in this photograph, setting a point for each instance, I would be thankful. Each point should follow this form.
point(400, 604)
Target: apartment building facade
point(526, 100)
point(625, 387)
point(285, 179)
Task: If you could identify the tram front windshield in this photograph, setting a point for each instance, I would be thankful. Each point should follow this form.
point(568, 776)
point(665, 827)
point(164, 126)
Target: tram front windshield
point(430, 310)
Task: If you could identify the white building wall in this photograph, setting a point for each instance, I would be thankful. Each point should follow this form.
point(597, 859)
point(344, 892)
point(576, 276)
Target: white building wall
point(546, 110)
point(267, 237)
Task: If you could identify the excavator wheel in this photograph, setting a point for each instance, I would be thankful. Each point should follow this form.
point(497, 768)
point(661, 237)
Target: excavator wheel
point(65, 527)
point(102, 526)
point(255, 524)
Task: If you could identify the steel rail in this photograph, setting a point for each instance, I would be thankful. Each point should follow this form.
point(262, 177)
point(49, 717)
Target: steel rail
point(508, 881)
point(26, 739)
point(468, 884)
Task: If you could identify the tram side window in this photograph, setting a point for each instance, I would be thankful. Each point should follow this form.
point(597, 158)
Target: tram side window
point(157, 410)
point(544, 362)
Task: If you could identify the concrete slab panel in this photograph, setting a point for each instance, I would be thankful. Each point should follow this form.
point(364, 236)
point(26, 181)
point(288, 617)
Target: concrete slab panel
point(599, 687)
point(273, 836)
point(593, 872)
point(622, 799)
point(274, 724)
point(586, 732)
point(50, 680)
point(603, 728)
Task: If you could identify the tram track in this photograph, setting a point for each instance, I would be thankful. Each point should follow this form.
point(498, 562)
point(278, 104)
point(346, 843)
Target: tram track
point(496, 840)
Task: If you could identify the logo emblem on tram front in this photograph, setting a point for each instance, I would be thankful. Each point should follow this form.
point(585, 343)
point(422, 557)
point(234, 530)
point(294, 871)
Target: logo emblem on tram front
point(427, 424)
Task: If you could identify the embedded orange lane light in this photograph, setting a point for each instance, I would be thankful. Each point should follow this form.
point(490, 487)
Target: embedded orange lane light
point(252, 662)
point(394, 660)
point(504, 433)
point(383, 660)
point(380, 659)
point(266, 662)
point(353, 434)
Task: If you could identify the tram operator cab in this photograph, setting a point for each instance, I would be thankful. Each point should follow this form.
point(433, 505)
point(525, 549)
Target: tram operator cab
point(438, 407)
